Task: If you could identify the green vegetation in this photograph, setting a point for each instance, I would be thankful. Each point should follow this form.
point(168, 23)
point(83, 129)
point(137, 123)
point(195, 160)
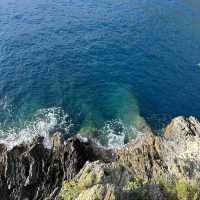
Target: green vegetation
point(139, 189)
point(169, 187)
point(186, 191)
point(180, 189)
point(69, 191)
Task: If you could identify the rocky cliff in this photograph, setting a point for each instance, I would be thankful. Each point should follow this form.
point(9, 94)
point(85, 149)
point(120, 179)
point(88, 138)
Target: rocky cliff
point(149, 167)
point(34, 172)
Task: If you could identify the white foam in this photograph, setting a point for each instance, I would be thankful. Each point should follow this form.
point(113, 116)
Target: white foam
point(42, 123)
point(116, 138)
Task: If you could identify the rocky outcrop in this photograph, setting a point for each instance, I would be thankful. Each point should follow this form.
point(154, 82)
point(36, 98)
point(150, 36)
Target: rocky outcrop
point(34, 172)
point(144, 158)
point(101, 181)
point(85, 171)
point(176, 153)
point(150, 167)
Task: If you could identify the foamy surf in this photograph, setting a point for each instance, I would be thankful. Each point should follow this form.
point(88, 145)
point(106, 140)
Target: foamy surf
point(45, 122)
point(42, 123)
point(116, 133)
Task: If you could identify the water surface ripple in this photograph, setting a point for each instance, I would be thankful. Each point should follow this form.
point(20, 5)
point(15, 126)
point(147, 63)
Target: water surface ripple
point(99, 60)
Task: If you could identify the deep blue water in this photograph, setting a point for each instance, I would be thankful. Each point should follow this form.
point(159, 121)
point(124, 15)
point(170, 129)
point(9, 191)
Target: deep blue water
point(99, 61)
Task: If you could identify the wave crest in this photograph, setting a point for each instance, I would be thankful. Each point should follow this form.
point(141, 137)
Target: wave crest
point(42, 123)
point(45, 122)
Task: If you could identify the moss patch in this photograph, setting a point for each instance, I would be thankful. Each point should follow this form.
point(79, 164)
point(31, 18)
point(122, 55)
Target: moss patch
point(69, 191)
point(180, 189)
point(138, 188)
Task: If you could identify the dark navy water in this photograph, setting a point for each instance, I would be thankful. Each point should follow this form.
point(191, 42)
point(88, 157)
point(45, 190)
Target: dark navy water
point(96, 63)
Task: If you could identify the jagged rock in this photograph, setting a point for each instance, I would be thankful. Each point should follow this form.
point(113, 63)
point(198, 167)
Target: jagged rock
point(144, 157)
point(182, 144)
point(176, 154)
point(102, 173)
point(102, 181)
point(31, 171)
point(100, 192)
point(182, 128)
point(34, 172)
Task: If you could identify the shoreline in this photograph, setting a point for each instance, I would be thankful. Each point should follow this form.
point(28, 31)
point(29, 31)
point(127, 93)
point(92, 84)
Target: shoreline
point(31, 171)
point(107, 135)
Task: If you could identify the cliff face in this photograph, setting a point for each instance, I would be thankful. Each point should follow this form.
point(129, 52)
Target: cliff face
point(177, 153)
point(34, 172)
point(149, 167)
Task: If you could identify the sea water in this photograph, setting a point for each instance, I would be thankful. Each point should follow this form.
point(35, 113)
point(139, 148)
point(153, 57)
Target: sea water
point(101, 68)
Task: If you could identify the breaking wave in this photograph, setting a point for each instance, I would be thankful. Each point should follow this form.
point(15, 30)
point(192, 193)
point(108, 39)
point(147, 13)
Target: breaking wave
point(43, 123)
point(115, 133)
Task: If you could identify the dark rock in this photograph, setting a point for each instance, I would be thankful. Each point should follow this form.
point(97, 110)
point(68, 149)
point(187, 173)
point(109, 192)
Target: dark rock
point(35, 172)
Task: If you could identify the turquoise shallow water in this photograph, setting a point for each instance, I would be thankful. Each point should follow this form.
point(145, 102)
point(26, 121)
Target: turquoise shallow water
point(86, 65)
